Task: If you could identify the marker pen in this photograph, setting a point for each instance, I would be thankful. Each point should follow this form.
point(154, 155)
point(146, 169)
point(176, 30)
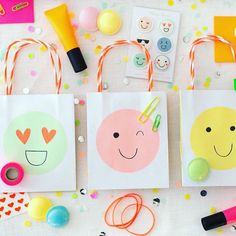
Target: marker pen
point(219, 219)
point(60, 21)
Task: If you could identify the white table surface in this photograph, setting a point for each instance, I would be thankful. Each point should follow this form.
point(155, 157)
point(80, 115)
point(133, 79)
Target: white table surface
point(175, 215)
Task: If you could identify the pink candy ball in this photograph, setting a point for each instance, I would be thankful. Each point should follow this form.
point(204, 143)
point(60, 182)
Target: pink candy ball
point(88, 18)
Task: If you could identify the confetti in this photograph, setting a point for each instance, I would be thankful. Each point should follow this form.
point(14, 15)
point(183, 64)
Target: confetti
point(31, 56)
point(82, 102)
point(212, 210)
point(156, 201)
point(155, 190)
point(74, 195)
point(202, 1)
point(187, 38)
point(125, 58)
point(81, 139)
point(83, 208)
point(105, 85)
point(219, 231)
point(27, 223)
point(79, 82)
point(126, 81)
point(198, 33)
point(205, 28)
point(194, 6)
point(175, 88)
point(203, 193)
point(187, 196)
point(178, 184)
point(31, 29)
point(77, 122)
point(66, 86)
point(76, 101)
point(102, 234)
point(87, 36)
point(26, 90)
point(97, 49)
point(33, 73)
point(94, 194)
point(189, 87)
point(83, 191)
point(38, 30)
point(58, 194)
point(170, 3)
point(233, 228)
point(43, 49)
point(82, 154)
point(2, 53)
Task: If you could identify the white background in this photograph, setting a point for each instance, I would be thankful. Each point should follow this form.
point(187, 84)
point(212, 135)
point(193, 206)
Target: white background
point(175, 215)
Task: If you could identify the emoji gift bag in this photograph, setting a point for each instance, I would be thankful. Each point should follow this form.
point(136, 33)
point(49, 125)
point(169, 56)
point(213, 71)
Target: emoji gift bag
point(36, 133)
point(127, 135)
point(208, 131)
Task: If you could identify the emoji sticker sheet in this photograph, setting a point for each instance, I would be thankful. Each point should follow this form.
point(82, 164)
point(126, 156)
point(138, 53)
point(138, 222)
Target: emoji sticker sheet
point(123, 150)
point(43, 137)
point(157, 30)
point(211, 122)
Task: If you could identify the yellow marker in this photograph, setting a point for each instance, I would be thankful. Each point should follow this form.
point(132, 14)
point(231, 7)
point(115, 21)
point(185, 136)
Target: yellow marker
point(60, 21)
point(151, 107)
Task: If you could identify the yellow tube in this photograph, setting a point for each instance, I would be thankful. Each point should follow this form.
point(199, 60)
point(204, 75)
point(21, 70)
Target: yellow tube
point(60, 21)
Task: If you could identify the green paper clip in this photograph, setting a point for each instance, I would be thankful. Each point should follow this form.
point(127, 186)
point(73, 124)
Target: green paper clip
point(234, 84)
point(151, 107)
point(156, 123)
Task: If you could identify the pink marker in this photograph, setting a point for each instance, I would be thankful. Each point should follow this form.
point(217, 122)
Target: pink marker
point(219, 219)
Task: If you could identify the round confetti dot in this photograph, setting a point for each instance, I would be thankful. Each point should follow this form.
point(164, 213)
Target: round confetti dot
point(81, 139)
point(58, 194)
point(125, 58)
point(218, 74)
point(155, 190)
point(203, 193)
point(194, 6)
point(198, 34)
point(156, 201)
point(31, 56)
point(26, 91)
point(105, 85)
point(31, 29)
point(43, 49)
point(76, 101)
point(205, 28)
point(219, 231)
point(27, 223)
point(66, 86)
point(187, 196)
point(38, 30)
point(171, 3)
point(187, 38)
point(79, 82)
point(126, 81)
point(77, 122)
point(83, 208)
point(74, 195)
point(212, 210)
point(81, 102)
point(83, 191)
point(198, 169)
point(233, 228)
point(94, 195)
point(33, 73)
point(202, 1)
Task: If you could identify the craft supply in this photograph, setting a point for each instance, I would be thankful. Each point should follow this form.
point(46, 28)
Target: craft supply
point(58, 216)
point(60, 21)
point(16, 11)
point(109, 22)
point(20, 6)
point(156, 123)
point(2, 10)
point(219, 219)
point(111, 218)
point(38, 208)
point(151, 107)
point(158, 31)
point(88, 18)
point(224, 26)
point(234, 84)
point(198, 169)
point(12, 173)
point(120, 145)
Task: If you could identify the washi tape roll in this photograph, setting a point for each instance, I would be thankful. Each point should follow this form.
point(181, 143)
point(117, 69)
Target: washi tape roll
point(12, 173)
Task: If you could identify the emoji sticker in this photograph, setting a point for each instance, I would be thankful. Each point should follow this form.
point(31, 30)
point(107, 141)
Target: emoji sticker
point(126, 145)
point(167, 26)
point(213, 137)
point(145, 24)
point(164, 44)
point(39, 142)
point(146, 42)
point(140, 60)
point(162, 62)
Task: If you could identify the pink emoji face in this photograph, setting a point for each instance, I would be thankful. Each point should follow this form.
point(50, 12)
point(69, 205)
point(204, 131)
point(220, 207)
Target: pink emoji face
point(124, 143)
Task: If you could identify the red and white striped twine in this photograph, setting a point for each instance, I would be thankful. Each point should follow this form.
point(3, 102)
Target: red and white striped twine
point(207, 38)
point(118, 43)
point(56, 63)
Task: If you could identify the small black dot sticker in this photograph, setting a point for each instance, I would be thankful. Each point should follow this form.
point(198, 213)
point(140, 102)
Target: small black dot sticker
point(203, 193)
point(116, 135)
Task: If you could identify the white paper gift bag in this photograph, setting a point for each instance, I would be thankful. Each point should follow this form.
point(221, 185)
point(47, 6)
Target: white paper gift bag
point(208, 131)
point(127, 135)
point(37, 133)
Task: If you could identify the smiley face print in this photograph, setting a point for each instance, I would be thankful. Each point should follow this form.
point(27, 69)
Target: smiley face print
point(140, 60)
point(213, 137)
point(144, 41)
point(166, 26)
point(39, 142)
point(124, 144)
point(145, 24)
point(164, 44)
point(162, 62)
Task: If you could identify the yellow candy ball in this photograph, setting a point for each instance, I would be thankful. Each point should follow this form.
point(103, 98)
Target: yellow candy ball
point(38, 207)
point(109, 22)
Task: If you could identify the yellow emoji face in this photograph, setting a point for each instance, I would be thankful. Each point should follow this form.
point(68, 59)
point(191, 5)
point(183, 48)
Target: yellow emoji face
point(213, 137)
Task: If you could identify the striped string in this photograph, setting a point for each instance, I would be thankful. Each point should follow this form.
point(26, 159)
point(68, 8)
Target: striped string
point(54, 57)
point(208, 38)
point(106, 50)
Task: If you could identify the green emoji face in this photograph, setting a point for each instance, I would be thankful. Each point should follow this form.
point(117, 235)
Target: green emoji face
point(37, 141)
point(140, 60)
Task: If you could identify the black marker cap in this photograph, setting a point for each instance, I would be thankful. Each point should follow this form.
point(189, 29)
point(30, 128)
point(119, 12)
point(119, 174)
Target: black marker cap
point(77, 60)
point(214, 221)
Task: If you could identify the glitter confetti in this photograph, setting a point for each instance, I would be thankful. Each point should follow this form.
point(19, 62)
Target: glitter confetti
point(205, 28)
point(187, 196)
point(27, 223)
point(125, 58)
point(203, 193)
point(97, 49)
point(202, 1)
point(82, 102)
point(207, 82)
point(87, 36)
point(77, 122)
point(170, 3)
point(155, 190)
point(74, 195)
point(58, 194)
point(194, 6)
point(66, 86)
point(219, 231)
point(198, 33)
point(212, 210)
point(31, 56)
point(175, 88)
point(43, 49)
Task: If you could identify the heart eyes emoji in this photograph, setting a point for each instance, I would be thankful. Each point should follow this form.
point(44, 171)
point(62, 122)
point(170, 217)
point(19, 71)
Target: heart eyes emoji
point(48, 135)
